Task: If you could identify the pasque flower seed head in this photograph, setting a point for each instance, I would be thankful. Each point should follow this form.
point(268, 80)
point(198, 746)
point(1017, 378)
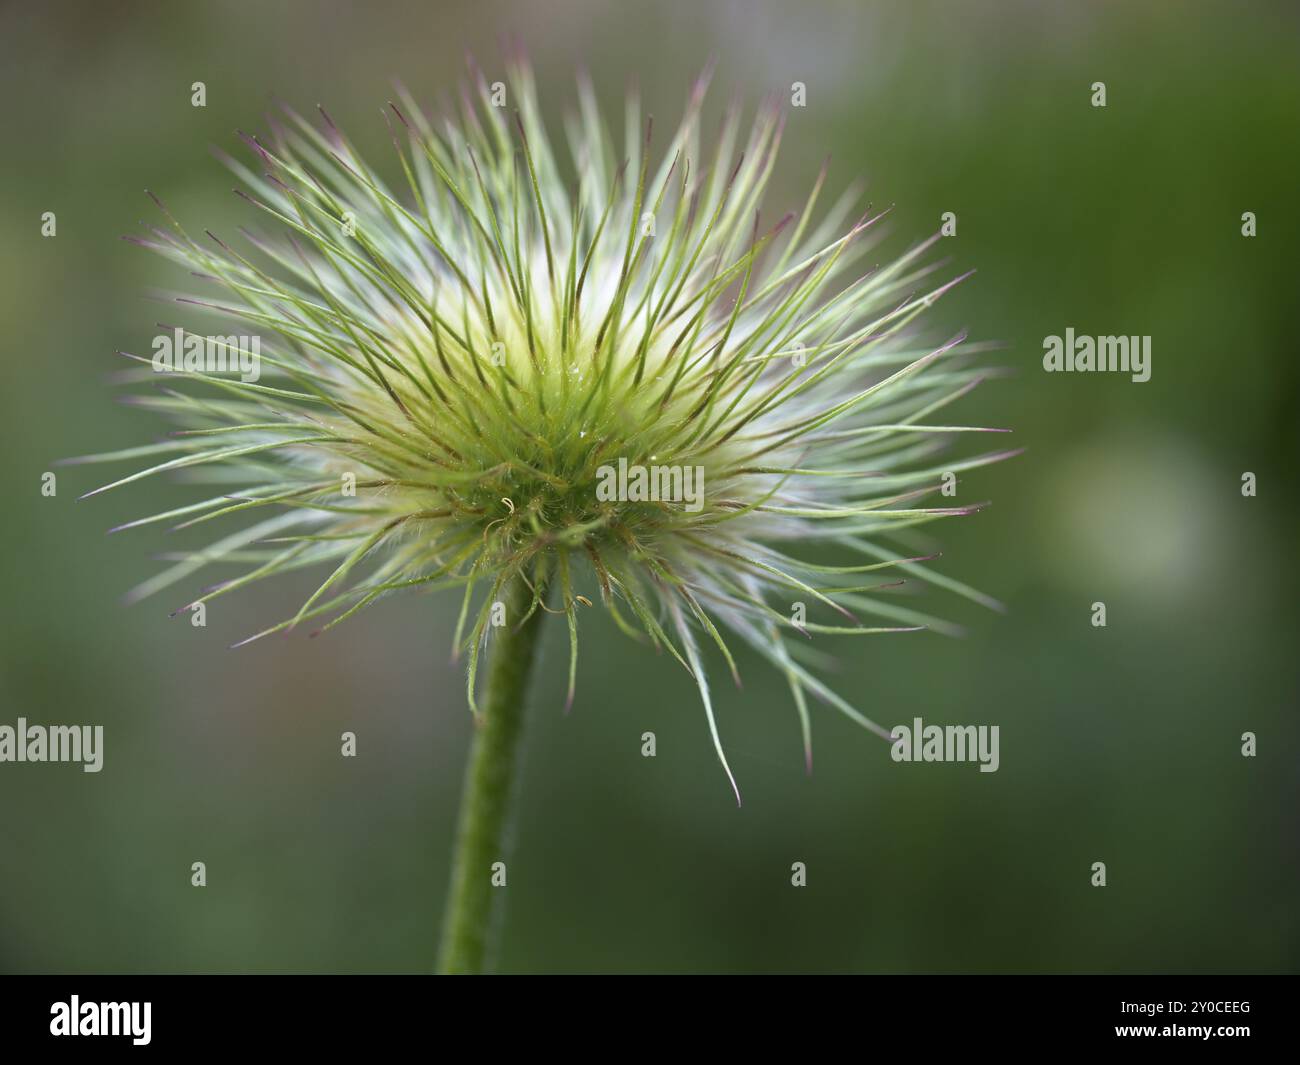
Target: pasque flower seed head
point(603, 371)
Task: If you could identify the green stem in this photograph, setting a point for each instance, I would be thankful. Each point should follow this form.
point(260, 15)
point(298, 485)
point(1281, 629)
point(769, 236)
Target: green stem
point(474, 904)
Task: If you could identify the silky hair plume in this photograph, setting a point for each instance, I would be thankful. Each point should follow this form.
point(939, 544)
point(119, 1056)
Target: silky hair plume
point(450, 367)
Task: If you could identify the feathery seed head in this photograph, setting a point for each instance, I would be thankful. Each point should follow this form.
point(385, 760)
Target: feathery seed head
point(603, 372)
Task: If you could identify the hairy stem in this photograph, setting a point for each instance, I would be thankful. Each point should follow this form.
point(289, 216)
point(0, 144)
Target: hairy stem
point(474, 905)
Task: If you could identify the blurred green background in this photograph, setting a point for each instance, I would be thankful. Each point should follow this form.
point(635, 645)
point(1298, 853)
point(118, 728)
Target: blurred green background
point(1119, 745)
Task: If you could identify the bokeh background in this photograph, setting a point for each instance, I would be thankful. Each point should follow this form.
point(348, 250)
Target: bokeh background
point(1119, 745)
